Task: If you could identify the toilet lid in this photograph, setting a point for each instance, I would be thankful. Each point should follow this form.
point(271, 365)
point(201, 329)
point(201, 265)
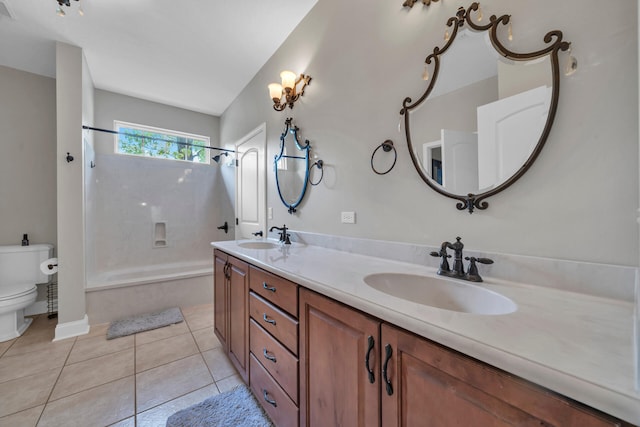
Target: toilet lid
point(15, 290)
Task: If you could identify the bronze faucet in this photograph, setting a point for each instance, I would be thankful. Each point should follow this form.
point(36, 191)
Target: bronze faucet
point(284, 236)
point(458, 268)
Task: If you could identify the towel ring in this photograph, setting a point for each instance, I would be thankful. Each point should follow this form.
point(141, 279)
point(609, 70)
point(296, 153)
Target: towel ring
point(386, 147)
point(320, 165)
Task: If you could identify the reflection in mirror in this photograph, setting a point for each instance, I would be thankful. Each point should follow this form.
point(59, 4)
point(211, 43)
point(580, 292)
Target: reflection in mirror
point(486, 112)
point(291, 166)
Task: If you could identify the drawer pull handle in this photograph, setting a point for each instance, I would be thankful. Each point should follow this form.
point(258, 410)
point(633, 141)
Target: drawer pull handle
point(265, 395)
point(372, 378)
point(267, 356)
point(267, 287)
point(388, 352)
point(266, 319)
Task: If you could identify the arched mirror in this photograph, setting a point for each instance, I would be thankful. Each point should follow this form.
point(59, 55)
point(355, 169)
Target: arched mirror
point(486, 112)
point(291, 166)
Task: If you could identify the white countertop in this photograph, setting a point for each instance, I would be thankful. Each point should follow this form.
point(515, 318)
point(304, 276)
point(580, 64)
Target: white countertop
point(578, 345)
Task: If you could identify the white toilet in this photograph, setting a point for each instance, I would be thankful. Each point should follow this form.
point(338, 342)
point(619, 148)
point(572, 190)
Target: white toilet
point(19, 274)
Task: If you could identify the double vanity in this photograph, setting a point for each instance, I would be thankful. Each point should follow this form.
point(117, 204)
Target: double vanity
point(348, 337)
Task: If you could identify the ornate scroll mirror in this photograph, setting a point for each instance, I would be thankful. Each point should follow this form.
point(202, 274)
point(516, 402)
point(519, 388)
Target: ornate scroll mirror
point(291, 166)
point(486, 112)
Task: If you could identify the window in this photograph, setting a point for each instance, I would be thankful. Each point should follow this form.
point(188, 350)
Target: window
point(147, 141)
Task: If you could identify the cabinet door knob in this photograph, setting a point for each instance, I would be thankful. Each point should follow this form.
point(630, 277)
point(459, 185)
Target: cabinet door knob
point(267, 319)
point(388, 353)
point(372, 378)
point(265, 395)
point(268, 356)
point(267, 287)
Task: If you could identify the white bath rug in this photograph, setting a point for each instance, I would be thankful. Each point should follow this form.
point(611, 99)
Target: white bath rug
point(237, 407)
point(145, 322)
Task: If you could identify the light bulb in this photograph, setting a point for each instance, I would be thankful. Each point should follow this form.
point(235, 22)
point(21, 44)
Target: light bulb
point(425, 73)
point(275, 91)
point(288, 79)
point(510, 30)
point(479, 14)
point(80, 11)
point(446, 35)
point(60, 12)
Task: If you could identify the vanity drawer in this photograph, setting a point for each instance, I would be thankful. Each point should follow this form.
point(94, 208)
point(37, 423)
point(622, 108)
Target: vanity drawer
point(282, 411)
point(275, 321)
point(277, 290)
point(276, 359)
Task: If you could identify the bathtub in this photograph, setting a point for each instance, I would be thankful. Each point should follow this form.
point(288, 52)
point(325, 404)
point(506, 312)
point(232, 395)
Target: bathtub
point(149, 274)
point(121, 294)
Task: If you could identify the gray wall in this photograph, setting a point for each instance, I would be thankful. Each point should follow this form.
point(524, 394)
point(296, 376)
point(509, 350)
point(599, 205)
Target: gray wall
point(28, 157)
point(578, 201)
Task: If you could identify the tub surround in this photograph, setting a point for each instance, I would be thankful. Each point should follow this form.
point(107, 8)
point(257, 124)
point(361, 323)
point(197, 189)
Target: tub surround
point(146, 274)
point(118, 294)
point(570, 333)
point(118, 302)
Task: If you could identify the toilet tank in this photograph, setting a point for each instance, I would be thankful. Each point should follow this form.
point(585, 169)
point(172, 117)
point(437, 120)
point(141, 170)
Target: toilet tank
point(21, 264)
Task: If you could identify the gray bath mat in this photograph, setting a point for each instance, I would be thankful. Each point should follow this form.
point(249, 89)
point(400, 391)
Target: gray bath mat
point(145, 322)
point(237, 407)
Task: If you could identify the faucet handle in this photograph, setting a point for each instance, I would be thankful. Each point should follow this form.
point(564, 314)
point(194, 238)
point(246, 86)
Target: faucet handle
point(472, 273)
point(444, 264)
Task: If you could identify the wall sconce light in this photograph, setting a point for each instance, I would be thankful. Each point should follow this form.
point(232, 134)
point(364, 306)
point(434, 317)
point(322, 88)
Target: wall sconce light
point(288, 89)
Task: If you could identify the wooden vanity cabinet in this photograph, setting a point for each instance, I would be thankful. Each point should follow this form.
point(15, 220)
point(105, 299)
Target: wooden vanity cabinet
point(432, 385)
point(312, 361)
point(335, 386)
point(416, 382)
point(231, 309)
point(220, 286)
point(273, 331)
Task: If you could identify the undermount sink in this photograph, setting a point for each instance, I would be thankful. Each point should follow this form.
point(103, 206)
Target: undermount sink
point(258, 245)
point(447, 294)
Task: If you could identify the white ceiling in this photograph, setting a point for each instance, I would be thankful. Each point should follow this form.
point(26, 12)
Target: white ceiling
point(194, 54)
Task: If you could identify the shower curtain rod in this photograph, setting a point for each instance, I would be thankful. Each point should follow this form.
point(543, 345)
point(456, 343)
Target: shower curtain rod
point(115, 132)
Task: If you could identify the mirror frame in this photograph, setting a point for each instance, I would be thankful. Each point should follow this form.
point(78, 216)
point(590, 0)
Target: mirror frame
point(555, 43)
point(293, 130)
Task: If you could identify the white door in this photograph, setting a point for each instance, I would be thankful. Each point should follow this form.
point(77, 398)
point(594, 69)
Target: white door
point(508, 132)
point(459, 161)
point(251, 184)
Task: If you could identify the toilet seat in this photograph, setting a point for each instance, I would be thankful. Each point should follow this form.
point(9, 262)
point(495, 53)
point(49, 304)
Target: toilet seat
point(18, 295)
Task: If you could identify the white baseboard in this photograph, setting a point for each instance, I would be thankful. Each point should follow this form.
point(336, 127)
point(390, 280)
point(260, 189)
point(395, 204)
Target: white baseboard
point(72, 329)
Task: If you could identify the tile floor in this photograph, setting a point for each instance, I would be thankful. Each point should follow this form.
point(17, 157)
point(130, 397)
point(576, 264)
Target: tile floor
point(87, 381)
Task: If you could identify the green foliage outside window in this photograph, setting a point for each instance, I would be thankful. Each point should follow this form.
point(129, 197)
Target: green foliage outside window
point(147, 143)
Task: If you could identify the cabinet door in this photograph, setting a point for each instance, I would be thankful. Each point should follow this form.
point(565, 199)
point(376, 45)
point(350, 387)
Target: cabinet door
point(434, 386)
point(220, 297)
point(335, 387)
point(238, 293)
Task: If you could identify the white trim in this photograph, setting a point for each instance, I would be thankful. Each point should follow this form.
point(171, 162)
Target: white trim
point(72, 329)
